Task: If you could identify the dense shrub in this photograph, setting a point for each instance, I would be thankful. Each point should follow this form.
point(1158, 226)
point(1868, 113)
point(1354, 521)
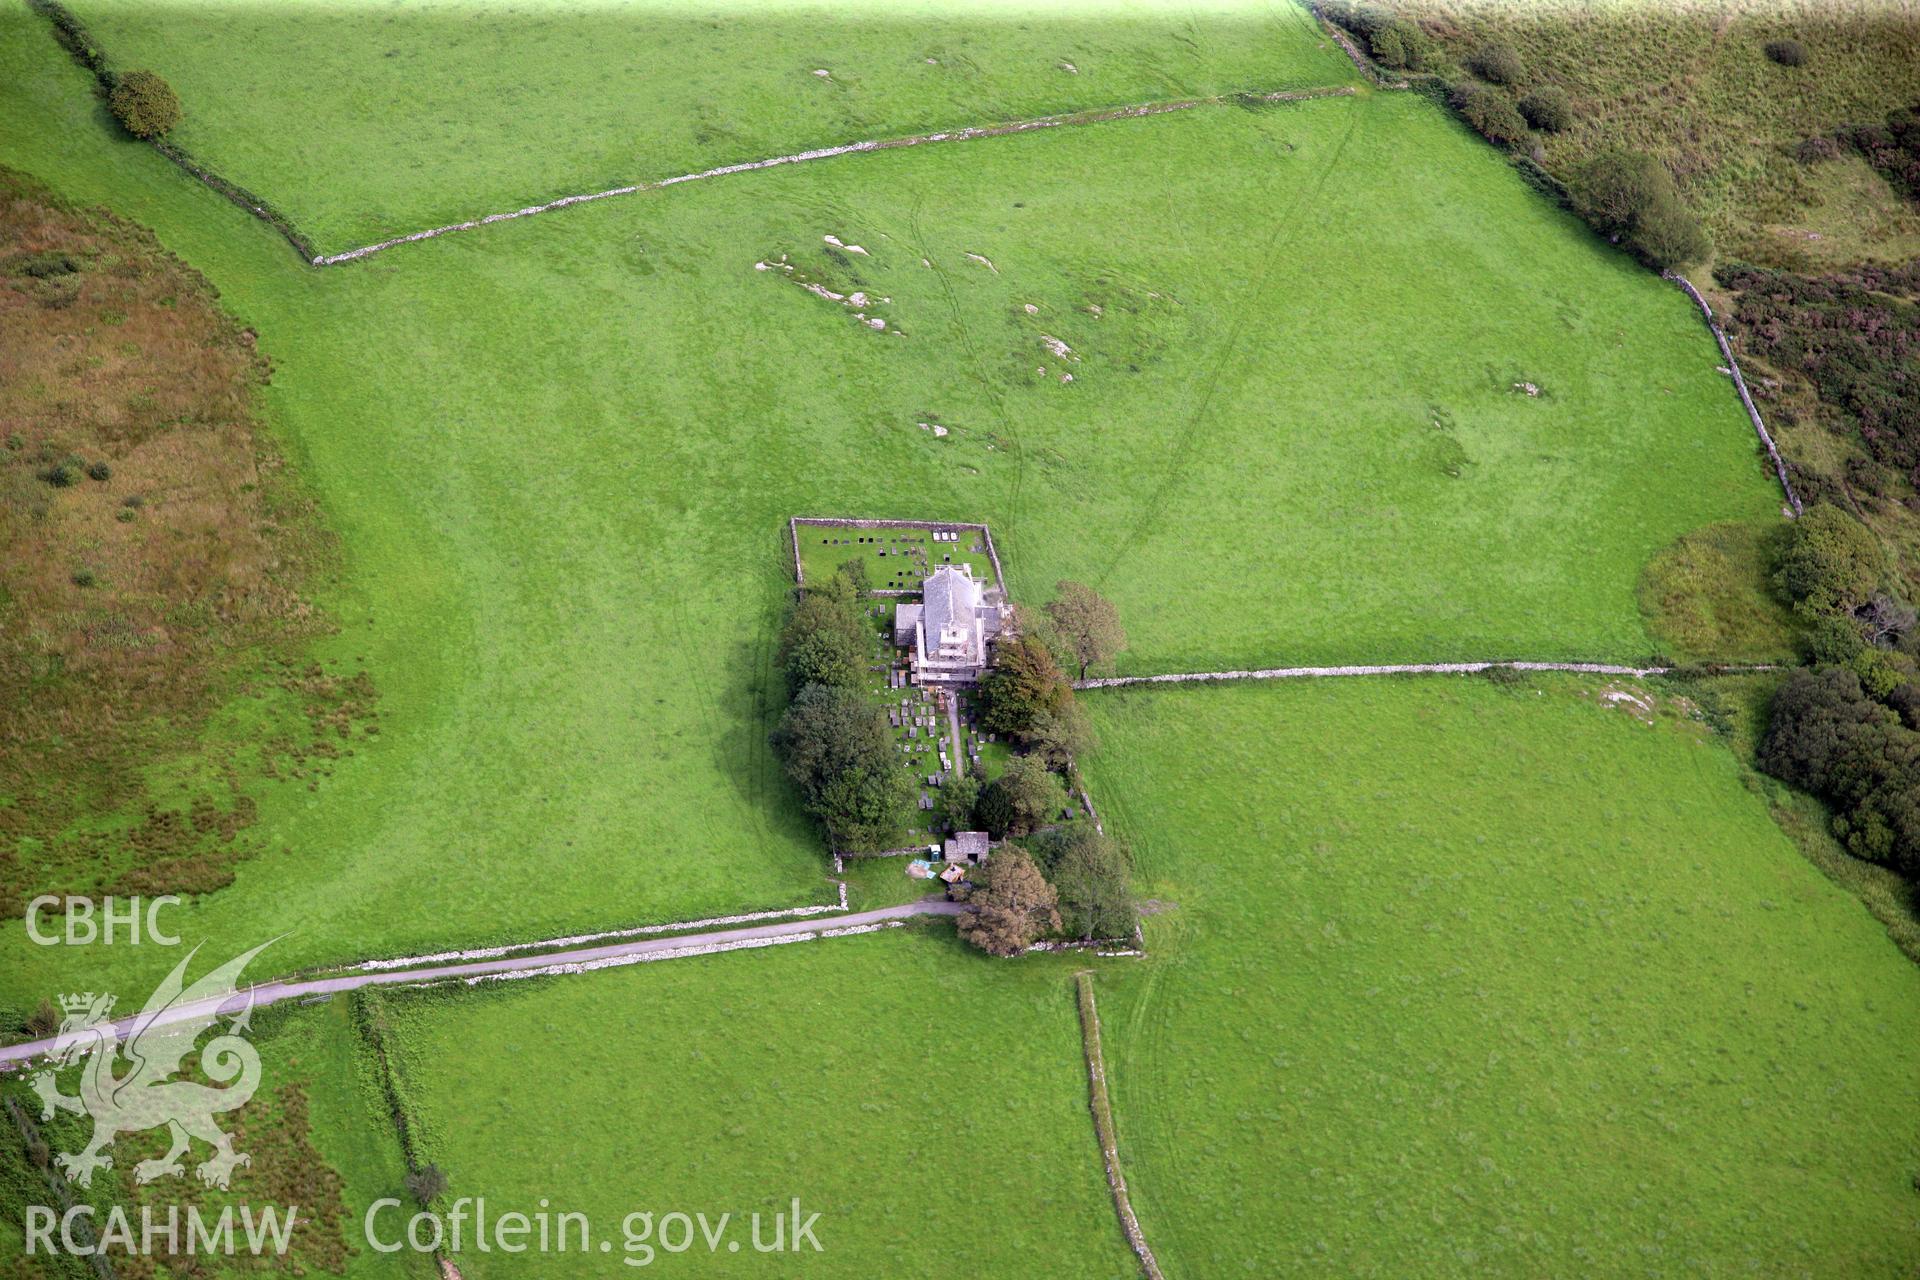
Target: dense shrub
point(1630, 197)
point(1401, 46)
point(1827, 563)
point(144, 104)
point(1498, 63)
point(1788, 53)
point(50, 265)
point(1815, 716)
point(1548, 109)
point(1491, 113)
point(1817, 149)
point(1393, 42)
point(1091, 873)
point(1827, 733)
point(1893, 148)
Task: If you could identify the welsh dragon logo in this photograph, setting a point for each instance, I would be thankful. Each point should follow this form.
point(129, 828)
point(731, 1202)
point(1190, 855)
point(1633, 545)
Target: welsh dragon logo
point(142, 1096)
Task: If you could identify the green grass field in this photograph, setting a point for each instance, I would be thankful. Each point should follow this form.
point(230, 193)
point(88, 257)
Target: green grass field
point(1472, 980)
point(930, 1103)
point(560, 454)
point(1456, 978)
point(365, 120)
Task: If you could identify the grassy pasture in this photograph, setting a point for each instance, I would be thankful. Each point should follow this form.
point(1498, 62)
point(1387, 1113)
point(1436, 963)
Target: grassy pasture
point(367, 119)
point(928, 1102)
point(1473, 980)
point(560, 454)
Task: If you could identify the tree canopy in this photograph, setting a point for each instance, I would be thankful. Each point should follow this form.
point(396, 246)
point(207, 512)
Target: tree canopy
point(1013, 908)
point(838, 750)
point(1025, 796)
point(1630, 196)
point(1023, 683)
point(826, 637)
point(1087, 622)
point(1828, 735)
point(1091, 874)
point(1828, 562)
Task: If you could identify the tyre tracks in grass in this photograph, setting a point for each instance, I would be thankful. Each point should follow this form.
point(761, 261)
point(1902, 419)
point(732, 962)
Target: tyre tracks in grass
point(1181, 454)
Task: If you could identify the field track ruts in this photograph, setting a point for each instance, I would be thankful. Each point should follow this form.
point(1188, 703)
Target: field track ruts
point(981, 374)
point(1180, 455)
point(1102, 115)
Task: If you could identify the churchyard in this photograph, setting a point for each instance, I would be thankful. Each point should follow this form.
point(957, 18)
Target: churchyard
point(897, 556)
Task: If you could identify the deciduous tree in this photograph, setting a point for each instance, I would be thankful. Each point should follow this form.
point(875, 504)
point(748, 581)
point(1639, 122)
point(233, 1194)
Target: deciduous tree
point(1091, 874)
point(1013, 909)
point(1025, 796)
point(1023, 682)
point(1087, 622)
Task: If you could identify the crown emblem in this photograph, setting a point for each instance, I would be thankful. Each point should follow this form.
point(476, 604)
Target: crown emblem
point(79, 1002)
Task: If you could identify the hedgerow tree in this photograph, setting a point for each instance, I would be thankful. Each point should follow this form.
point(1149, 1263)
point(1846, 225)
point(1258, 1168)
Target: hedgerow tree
point(1022, 684)
point(1393, 42)
point(1087, 622)
point(427, 1184)
point(1091, 874)
point(1490, 112)
point(1629, 196)
point(1013, 909)
point(144, 104)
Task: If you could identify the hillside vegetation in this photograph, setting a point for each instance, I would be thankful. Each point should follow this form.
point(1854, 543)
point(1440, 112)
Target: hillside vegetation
point(1693, 85)
point(152, 559)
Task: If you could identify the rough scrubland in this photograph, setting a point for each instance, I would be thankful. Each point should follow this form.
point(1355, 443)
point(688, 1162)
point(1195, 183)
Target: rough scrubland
point(1692, 84)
